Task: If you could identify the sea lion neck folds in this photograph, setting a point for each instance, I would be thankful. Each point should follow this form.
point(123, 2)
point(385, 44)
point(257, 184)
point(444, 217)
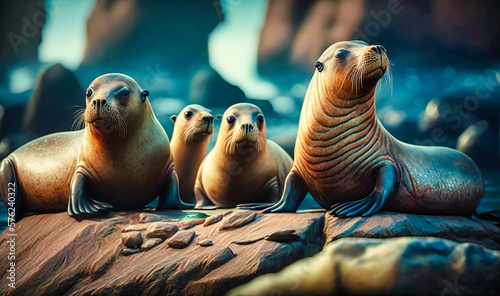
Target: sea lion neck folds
point(347, 160)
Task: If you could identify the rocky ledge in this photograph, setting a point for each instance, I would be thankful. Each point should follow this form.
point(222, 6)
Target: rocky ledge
point(395, 266)
point(212, 252)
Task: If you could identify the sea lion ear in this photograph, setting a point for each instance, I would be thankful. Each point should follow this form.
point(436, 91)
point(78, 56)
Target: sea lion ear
point(144, 95)
point(173, 117)
point(218, 116)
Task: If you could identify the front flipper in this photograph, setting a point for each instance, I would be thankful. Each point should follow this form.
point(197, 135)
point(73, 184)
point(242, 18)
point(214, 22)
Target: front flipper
point(80, 204)
point(386, 187)
point(169, 197)
point(202, 200)
point(294, 192)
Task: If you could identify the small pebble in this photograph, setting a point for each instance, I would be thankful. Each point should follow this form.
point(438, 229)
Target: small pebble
point(145, 218)
point(136, 227)
point(149, 243)
point(181, 239)
point(205, 243)
point(161, 230)
point(128, 251)
point(238, 220)
point(190, 223)
point(132, 239)
point(213, 219)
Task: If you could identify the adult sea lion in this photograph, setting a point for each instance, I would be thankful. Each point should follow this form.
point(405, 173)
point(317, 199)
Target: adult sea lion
point(243, 167)
point(193, 128)
point(120, 159)
point(347, 160)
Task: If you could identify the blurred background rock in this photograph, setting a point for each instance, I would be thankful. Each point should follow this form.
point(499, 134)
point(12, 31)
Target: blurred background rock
point(444, 88)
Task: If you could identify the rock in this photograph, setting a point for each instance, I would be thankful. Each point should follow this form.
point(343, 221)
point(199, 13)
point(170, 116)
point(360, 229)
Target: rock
point(146, 218)
point(58, 255)
point(238, 219)
point(51, 107)
point(137, 227)
point(161, 230)
point(129, 251)
point(283, 236)
point(397, 266)
point(213, 219)
point(181, 239)
point(149, 243)
point(190, 223)
point(390, 224)
point(132, 239)
point(205, 243)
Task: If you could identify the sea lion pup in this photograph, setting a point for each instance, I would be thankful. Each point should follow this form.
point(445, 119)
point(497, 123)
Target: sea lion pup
point(243, 167)
point(346, 159)
point(121, 158)
point(193, 128)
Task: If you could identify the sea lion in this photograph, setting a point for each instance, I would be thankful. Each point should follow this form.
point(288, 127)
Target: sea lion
point(346, 159)
point(121, 158)
point(243, 167)
point(193, 128)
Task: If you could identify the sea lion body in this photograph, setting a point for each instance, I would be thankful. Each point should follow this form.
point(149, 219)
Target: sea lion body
point(193, 128)
point(121, 158)
point(243, 167)
point(347, 160)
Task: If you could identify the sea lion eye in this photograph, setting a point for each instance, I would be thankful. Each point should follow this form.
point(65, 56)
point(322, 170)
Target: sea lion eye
point(319, 66)
point(260, 119)
point(341, 53)
point(124, 93)
point(89, 92)
point(188, 114)
point(230, 119)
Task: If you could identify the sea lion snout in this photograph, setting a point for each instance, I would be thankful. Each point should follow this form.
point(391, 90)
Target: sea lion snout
point(375, 61)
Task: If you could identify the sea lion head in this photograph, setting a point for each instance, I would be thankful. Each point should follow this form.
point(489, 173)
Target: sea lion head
point(114, 102)
point(194, 122)
point(351, 69)
point(243, 127)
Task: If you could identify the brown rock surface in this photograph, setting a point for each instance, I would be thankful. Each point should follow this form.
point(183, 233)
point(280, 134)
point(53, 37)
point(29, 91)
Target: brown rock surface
point(390, 224)
point(57, 255)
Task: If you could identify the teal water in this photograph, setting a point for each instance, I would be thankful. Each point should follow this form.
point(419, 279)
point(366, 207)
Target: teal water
point(490, 201)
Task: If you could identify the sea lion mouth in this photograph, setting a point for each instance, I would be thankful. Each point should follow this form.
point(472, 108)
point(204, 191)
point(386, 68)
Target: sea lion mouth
point(245, 144)
point(375, 73)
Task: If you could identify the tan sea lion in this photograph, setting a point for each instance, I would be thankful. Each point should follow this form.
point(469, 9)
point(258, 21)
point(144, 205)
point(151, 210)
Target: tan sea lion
point(121, 158)
point(347, 160)
point(193, 128)
point(243, 167)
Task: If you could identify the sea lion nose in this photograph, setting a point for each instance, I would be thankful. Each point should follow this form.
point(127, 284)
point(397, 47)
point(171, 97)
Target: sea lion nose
point(382, 48)
point(375, 48)
point(247, 127)
point(208, 119)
